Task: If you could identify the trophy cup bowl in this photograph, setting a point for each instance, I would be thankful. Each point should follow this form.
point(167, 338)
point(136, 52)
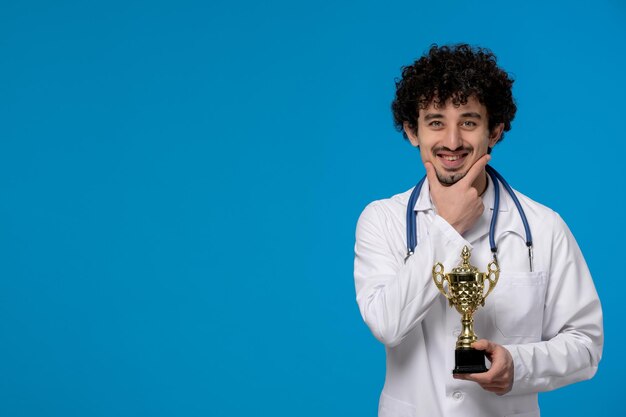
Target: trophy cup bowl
point(464, 288)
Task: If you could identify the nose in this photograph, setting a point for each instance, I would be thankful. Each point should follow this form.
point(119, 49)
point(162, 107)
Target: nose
point(454, 138)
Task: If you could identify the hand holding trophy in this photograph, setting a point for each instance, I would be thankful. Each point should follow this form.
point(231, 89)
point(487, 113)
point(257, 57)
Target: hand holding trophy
point(465, 291)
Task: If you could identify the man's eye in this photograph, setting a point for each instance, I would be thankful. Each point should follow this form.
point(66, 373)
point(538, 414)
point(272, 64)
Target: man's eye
point(469, 123)
point(436, 123)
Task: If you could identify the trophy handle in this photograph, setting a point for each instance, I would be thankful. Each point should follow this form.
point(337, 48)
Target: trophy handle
point(439, 277)
point(492, 275)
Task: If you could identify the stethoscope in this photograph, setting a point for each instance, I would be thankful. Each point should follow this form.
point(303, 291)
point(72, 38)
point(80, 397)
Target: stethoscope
point(496, 178)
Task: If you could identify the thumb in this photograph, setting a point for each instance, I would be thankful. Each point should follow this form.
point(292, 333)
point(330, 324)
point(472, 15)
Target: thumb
point(483, 344)
point(475, 170)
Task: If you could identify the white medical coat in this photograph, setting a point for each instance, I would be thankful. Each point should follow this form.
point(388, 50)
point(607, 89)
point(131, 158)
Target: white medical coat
point(550, 319)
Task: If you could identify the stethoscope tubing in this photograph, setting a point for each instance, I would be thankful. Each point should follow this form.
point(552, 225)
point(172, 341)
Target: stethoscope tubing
point(496, 178)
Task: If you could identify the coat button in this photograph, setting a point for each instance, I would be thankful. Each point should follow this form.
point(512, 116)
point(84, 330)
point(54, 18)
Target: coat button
point(457, 395)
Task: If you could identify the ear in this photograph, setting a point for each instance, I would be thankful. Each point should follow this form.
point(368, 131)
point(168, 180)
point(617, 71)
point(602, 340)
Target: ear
point(495, 134)
point(411, 133)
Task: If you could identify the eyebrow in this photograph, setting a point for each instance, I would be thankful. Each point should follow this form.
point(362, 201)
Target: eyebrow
point(431, 116)
point(472, 114)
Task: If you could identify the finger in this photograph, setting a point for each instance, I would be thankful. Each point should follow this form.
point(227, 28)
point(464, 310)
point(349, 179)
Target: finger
point(483, 344)
point(475, 170)
point(497, 388)
point(482, 378)
point(488, 377)
point(491, 385)
point(497, 391)
point(431, 174)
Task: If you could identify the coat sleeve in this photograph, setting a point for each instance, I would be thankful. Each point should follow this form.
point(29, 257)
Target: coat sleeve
point(572, 331)
point(394, 296)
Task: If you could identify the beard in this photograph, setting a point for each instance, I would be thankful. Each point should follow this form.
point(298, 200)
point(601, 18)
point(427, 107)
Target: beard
point(450, 179)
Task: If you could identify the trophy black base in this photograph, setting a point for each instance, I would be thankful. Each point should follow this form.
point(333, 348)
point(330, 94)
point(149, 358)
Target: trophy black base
point(469, 361)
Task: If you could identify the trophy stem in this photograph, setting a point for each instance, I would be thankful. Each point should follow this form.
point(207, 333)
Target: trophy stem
point(467, 359)
point(467, 336)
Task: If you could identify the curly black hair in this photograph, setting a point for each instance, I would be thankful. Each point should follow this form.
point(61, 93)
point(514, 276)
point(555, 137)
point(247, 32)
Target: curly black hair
point(454, 73)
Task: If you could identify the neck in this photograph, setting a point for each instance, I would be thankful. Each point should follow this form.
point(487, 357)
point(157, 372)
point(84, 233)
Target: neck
point(481, 183)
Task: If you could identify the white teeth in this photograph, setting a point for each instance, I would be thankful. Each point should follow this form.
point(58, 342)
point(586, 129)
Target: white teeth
point(451, 158)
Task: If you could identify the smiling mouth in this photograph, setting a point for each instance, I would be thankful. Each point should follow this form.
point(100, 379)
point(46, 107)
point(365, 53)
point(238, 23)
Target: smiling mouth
point(452, 161)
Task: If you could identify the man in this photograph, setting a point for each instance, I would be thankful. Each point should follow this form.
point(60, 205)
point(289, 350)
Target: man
point(541, 327)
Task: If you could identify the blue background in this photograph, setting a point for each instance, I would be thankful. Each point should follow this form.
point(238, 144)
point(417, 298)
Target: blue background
point(180, 183)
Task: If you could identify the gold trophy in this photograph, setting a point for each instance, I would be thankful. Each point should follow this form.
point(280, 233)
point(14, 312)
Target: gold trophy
point(465, 291)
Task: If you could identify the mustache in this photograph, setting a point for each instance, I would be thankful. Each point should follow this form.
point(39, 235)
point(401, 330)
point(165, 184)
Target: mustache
point(438, 149)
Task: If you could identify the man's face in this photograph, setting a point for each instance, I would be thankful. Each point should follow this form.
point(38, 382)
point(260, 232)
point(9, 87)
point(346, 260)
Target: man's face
point(453, 138)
